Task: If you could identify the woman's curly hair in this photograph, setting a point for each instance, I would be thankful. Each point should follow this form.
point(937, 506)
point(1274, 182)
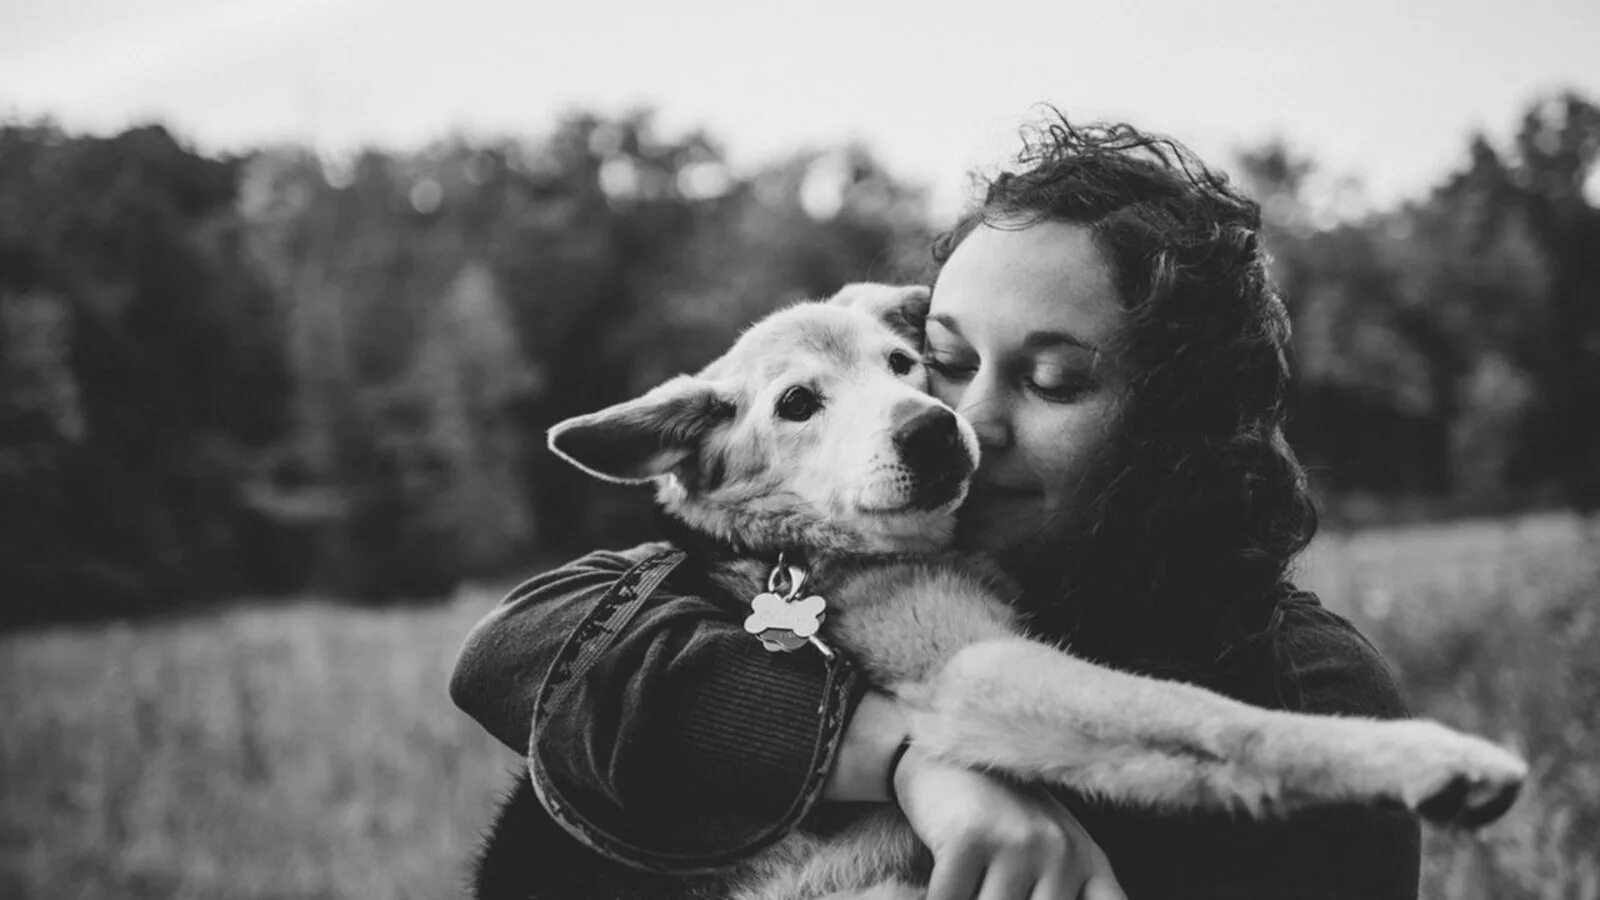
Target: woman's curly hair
point(1179, 562)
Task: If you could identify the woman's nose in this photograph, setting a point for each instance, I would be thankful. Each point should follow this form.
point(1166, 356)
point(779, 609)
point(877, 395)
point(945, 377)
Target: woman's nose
point(986, 407)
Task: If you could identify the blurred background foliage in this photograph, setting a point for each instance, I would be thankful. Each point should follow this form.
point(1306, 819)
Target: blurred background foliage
point(278, 373)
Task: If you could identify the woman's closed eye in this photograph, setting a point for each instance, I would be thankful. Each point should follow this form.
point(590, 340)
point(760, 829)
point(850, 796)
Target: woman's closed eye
point(1049, 381)
point(949, 367)
point(1058, 384)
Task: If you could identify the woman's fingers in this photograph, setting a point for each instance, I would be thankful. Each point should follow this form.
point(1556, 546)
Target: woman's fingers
point(1055, 885)
point(956, 874)
point(994, 841)
point(1102, 886)
point(1006, 880)
point(1082, 872)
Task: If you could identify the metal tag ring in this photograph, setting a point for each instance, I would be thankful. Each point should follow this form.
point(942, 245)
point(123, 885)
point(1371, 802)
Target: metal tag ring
point(796, 578)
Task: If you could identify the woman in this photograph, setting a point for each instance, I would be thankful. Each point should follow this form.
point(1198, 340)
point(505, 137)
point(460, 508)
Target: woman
point(1106, 321)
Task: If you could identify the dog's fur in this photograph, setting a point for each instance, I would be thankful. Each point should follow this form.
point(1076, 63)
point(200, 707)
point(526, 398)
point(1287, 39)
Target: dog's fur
point(865, 488)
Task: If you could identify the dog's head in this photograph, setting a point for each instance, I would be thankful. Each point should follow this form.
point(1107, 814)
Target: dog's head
point(813, 431)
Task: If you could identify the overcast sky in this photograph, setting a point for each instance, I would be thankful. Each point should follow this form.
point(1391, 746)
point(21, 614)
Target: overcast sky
point(1384, 89)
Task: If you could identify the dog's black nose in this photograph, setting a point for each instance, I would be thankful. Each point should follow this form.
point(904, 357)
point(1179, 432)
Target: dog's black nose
point(931, 441)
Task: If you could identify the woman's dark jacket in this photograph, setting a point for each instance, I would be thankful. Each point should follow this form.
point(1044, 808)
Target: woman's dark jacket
point(663, 742)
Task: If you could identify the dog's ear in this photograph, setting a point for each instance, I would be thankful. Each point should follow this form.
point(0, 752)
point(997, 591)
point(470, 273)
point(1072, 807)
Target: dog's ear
point(646, 437)
point(904, 307)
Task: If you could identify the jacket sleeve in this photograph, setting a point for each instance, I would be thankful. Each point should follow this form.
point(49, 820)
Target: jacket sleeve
point(656, 730)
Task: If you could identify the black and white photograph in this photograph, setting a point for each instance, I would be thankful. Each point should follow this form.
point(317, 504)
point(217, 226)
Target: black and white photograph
point(834, 451)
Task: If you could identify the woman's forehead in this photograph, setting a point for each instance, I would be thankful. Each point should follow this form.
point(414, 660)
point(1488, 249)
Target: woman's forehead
point(1014, 284)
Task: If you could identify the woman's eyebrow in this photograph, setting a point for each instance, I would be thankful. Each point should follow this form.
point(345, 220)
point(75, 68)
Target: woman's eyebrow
point(1037, 340)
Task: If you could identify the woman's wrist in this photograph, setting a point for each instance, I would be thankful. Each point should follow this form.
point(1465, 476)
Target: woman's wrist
point(871, 743)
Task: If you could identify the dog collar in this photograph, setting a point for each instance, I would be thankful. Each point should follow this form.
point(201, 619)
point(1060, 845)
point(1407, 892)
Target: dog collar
point(782, 620)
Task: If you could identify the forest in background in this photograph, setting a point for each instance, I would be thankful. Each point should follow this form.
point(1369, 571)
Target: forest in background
point(278, 373)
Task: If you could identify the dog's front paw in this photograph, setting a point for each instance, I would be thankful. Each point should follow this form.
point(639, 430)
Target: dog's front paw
point(1455, 779)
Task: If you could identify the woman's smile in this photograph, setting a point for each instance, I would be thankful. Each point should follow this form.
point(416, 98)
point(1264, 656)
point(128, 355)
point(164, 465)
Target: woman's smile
point(985, 488)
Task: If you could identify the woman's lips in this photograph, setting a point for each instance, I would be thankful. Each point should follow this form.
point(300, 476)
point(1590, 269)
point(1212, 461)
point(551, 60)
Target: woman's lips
point(1001, 489)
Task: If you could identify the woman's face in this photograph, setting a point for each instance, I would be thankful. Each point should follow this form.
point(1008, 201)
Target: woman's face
point(1014, 331)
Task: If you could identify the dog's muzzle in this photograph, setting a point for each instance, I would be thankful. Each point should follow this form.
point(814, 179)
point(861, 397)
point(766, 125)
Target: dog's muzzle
point(932, 449)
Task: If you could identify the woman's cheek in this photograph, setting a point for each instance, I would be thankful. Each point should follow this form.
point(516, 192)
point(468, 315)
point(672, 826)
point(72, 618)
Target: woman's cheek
point(1064, 450)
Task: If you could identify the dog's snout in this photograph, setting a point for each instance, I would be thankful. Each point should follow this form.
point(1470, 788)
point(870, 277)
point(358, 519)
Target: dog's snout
point(930, 438)
point(932, 447)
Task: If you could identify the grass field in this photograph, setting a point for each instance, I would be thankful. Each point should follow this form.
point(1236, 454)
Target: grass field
point(1493, 626)
point(309, 751)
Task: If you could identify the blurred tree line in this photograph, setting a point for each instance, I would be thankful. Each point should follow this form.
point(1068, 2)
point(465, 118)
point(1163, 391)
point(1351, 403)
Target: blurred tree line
point(1450, 349)
point(280, 372)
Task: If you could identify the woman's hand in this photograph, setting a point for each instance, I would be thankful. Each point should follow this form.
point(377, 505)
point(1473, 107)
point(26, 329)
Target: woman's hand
point(995, 841)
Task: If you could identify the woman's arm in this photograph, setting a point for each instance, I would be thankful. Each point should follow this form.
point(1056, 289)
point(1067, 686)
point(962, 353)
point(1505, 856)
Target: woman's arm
point(688, 744)
point(681, 743)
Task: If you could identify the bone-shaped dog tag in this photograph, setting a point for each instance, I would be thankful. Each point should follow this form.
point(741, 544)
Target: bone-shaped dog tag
point(785, 625)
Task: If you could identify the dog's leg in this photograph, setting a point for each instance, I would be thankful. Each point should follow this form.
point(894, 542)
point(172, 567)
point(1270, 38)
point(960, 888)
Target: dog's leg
point(935, 634)
point(1032, 710)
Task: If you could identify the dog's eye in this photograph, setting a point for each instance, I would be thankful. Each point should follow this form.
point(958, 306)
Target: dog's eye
point(798, 404)
point(900, 362)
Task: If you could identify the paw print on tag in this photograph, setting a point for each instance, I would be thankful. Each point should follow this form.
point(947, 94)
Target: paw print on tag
point(785, 625)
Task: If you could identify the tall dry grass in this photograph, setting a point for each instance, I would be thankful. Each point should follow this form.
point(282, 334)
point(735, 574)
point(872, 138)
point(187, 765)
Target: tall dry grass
point(311, 752)
point(1494, 627)
point(307, 752)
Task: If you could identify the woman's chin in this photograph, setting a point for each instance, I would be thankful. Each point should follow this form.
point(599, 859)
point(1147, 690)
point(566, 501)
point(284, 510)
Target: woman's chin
point(993, 524)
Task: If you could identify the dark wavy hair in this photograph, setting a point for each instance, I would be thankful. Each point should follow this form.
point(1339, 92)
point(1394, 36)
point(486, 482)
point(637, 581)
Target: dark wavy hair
point(1178, 560)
